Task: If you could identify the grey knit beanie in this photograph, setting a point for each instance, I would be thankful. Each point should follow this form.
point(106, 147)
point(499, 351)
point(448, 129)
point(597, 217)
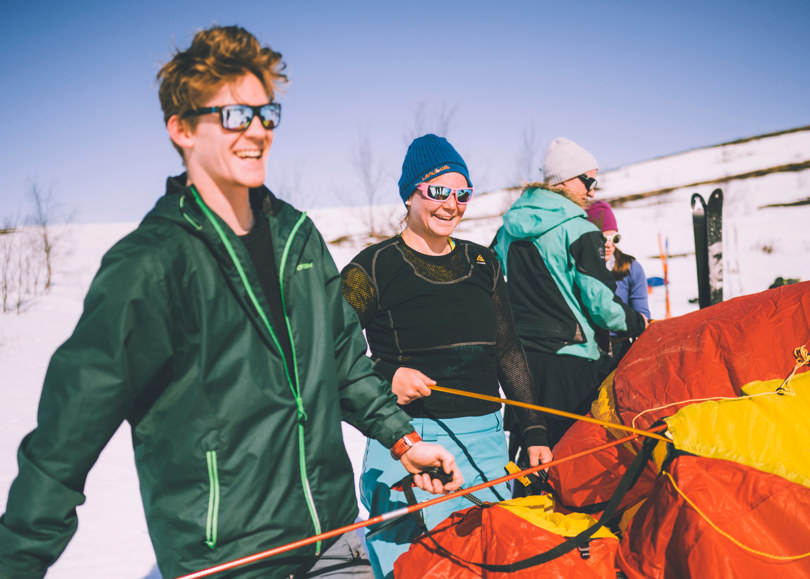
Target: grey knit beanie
point(565, 160)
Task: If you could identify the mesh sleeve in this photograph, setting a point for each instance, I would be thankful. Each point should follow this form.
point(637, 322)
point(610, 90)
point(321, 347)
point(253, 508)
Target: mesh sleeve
point(513, 370)
point(359, 292)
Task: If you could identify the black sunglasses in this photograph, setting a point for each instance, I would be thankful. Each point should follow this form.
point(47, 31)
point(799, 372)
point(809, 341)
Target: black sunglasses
point(589, 182)
point(239, 117)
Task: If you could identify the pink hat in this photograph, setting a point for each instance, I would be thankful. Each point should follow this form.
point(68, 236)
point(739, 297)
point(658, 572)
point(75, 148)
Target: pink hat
point(601, 215)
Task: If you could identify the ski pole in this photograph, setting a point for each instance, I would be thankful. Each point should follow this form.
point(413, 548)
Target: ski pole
point(405, 510)
point(666, 276)
point(638, 431)
point(664, 258)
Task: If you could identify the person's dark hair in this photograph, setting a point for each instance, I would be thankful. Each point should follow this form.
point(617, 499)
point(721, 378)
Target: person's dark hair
point(621, 268)
point(217, 56)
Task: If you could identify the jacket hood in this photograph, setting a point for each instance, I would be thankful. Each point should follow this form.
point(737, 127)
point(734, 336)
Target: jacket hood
point(538, 211)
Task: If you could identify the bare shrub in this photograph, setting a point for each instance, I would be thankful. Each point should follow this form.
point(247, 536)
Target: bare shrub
point(45, 212)
point(28, 253)
point(371, 176)
point(526, 165)
point(436, 120)
point(21, 268)
point(6, 271)
point(288, 184)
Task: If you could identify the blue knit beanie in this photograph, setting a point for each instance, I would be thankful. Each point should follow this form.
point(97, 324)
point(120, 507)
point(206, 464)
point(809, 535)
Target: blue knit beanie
point(428, 157)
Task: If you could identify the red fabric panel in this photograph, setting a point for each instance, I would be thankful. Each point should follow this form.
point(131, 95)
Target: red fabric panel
point(496, 536)
point(593, 478)
point(460, 534)
point(713, 351)
point(668, 538)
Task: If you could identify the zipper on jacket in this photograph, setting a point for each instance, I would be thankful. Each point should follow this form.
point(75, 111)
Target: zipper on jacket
point(213, 499)
point(294, 385)
point(302, 417)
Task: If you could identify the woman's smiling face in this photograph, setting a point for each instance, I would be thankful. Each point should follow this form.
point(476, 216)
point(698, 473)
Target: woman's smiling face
point(435, 220)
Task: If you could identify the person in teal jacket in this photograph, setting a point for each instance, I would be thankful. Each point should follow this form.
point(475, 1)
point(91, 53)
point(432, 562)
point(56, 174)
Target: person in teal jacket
point(562, 294)
point(218, 331)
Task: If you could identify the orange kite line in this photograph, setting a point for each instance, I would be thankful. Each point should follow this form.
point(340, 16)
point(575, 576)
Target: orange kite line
point(604, 423)
point(405, 510)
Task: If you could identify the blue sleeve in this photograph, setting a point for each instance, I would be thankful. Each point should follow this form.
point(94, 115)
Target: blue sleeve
point(638, 289)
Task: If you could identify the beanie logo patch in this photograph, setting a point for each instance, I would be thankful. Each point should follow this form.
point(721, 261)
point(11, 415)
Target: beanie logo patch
point(435, 171)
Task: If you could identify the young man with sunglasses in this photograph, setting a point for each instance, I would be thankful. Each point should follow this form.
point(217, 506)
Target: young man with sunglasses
point(562, 294)
point(219, 332)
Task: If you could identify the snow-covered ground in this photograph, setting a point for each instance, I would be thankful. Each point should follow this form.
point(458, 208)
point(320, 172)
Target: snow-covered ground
point(761, 244)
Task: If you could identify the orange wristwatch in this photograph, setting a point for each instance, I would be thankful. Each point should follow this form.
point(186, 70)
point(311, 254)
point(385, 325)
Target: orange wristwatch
point(404, 444)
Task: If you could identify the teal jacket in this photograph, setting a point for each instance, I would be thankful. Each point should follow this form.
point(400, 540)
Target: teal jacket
point(560, 290)
point(234, 454)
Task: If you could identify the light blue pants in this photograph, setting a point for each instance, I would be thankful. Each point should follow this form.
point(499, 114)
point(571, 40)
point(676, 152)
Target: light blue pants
point(478, 444)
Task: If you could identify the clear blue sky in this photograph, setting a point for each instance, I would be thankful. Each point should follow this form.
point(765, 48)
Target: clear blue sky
point(630, 81)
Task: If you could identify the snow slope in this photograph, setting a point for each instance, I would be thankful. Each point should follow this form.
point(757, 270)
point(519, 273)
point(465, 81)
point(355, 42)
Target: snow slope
point(762, 243)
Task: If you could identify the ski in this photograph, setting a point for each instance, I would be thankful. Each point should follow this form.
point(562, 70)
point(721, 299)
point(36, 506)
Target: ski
point(714, 242)
point(701, 250)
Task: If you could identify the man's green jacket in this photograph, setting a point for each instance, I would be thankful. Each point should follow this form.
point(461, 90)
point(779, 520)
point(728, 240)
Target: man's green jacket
point(235, 454)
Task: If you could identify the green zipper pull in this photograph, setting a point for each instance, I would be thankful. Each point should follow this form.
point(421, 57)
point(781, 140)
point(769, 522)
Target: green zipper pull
point(302, 414)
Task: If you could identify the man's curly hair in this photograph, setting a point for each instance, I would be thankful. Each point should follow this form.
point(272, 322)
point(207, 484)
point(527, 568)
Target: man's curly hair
point(217, 56)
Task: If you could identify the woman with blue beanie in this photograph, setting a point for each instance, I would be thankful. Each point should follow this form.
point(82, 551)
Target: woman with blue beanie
point(436, 311)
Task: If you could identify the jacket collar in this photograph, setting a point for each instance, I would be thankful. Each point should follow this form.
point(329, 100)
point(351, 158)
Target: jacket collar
point(261, 198)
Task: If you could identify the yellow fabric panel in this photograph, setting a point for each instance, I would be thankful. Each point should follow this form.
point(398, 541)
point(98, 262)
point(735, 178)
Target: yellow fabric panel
point(659, 455)
point(604, 407)
point(628, 514)
point(537, 509)
point(769, 432)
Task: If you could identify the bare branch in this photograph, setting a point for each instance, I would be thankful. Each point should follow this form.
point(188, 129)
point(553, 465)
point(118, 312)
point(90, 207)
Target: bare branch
point(370, 173)
point(288, 184)
point(437, 121)
point(20, 267)
point(28, 252)
point(44, 208)
point(444, 117)
point(526, 165)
